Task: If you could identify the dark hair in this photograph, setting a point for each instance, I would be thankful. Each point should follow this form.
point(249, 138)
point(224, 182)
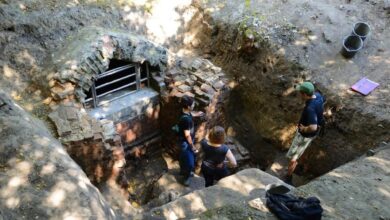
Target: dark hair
point(217, 135)
point(186, 101)
point(307, 93)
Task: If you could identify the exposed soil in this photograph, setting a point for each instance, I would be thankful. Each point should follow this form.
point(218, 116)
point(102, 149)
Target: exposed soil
point(284, 53)
point(142, 174)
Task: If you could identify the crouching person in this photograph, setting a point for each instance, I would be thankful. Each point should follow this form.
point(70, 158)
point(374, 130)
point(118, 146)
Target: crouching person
point(215, 151)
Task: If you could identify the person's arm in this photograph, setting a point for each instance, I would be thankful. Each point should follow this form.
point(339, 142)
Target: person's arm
point(186, 125)
point(197, 114)
point(311, 117)
point(231, 159)
point(187, 135)
point(308, 129)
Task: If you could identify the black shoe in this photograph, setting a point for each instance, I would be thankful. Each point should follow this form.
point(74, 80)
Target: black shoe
point(288, 180)
point(299, 170)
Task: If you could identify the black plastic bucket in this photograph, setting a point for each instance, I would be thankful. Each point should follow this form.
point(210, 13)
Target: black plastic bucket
point(361, 29)
point(351, 45)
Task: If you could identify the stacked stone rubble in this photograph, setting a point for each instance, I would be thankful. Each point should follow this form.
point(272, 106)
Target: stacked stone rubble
point(197, 78)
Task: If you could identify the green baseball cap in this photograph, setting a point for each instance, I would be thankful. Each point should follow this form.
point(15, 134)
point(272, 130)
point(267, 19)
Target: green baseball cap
point(305, 87)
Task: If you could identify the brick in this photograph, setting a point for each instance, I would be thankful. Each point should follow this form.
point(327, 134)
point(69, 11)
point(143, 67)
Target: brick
point(202, 101)
point(216, 69)
point(189, 94)
point(88, 134)
point(207, 88)
point(211, 79)
point(168, 79)
point(184, 88)
point(121, 127)
point(189, 82)
point(178, 83)
point(96, 128)
point(52, 82)
point(196, 64)
point(98, 137)
point(117, 140)
point(193, 78)
point(130, 136)
point(176, 93)
point(107, 146)
point(158, 79)
point(200, 76)
point(173, 72)
point(179, 78)
point(198, 92)
point(71, 113)
point(218, 85)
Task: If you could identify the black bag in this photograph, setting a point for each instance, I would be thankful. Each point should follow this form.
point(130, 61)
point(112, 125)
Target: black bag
point(289, 207)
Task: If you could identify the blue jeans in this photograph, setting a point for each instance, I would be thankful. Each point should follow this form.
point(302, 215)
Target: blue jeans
point(186, 159)
point(211, 174)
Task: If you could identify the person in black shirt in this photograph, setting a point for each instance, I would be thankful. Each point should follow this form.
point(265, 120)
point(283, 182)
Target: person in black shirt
point(309, 124)
point(186, 139)
point(215, 152)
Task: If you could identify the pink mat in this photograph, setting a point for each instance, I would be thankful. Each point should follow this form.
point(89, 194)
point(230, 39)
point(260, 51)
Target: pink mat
point(364, 86)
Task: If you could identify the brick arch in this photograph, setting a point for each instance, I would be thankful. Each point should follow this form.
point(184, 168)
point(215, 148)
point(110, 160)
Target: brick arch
point(89, 54)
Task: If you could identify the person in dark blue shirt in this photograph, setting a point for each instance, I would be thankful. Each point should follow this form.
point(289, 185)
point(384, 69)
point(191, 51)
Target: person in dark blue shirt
point(309, 124)
point(215, 152)
point(186, 139)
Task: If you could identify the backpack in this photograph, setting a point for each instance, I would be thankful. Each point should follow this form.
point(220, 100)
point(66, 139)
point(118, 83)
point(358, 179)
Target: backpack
point(175, 128)
point(289, 207)
point(321, 132)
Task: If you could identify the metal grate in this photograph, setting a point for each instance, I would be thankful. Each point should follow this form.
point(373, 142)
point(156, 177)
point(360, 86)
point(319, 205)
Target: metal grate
point(117, 82)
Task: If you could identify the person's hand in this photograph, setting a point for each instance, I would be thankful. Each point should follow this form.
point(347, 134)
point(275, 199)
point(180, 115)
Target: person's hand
point(301, 128)
point(221, 165)
point(198, 114)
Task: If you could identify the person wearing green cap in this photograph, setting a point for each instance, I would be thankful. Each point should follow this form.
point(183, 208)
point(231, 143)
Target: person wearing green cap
point(308, 126)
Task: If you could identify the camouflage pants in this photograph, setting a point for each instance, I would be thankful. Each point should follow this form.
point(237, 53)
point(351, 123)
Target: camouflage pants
point(298, 146)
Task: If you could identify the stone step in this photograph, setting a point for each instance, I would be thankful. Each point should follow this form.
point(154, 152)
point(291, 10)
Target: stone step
point(237, 190)
point(240, 152)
